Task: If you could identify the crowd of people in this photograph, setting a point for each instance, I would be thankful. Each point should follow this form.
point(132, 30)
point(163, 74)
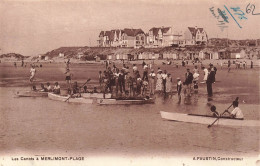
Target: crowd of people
point(131, 82)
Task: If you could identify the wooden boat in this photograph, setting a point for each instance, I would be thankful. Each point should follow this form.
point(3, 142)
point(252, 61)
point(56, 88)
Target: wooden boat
point(125, 101)
point(31, 94)
point(96, 95)
point(204, 119)
point(71, 99)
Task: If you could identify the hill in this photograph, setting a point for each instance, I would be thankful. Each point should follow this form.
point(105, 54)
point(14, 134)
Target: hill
point(13, 56)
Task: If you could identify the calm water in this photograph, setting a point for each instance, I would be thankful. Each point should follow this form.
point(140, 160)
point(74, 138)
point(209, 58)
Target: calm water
point(42, 126)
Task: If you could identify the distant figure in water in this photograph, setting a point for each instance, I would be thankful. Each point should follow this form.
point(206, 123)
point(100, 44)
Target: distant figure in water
point(32, 71)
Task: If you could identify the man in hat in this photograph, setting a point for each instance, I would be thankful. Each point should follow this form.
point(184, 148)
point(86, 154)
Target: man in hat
point(188, 81)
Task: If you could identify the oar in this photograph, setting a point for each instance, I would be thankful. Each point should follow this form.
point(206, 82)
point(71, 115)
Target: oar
point(221, 114)
point(80, 87)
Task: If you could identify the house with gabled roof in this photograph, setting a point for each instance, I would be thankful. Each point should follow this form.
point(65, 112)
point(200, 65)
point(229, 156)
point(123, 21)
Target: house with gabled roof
point(104, 39)
point(133, 38)
point(160, 37)
point(195, 36)
point(122, 38)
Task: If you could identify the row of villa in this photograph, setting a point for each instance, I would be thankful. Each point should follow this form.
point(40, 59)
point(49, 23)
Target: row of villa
point(156, 37)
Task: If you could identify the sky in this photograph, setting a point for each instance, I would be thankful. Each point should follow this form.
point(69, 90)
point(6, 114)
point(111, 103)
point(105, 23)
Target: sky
point(33, 27)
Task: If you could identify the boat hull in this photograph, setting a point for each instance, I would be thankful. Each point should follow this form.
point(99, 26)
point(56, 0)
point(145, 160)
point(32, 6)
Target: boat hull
point(96, 95)
point(124, 102)
point(208, 120)
point(70, 100)
point(31, 94)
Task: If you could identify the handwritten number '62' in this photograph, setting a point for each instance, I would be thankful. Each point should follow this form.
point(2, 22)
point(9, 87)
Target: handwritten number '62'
point(251, 8)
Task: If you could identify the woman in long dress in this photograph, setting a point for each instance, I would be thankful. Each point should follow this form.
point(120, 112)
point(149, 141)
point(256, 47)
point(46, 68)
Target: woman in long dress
point(159, 86)
point(168, 83)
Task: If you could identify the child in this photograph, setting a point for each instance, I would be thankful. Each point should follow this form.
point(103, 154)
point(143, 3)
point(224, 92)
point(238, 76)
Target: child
point(213, 110)
point(95, 90)
point(43, 88)
point(56, 88)
point(85, 88)
point(49, 87)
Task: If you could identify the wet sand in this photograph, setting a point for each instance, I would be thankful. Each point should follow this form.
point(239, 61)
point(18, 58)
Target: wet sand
point(40, 126)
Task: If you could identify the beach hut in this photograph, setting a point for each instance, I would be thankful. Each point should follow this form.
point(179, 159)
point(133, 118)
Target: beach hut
point(214, 55)
point(150, 56)
point(125, 57)
point(156, 56)
point(201, 55)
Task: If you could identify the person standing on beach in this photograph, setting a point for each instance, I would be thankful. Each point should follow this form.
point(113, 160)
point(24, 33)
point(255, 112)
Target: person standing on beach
point(159, 81)
point(152, 81)
point(15, 64)
point(164, 76)
point(68, 64)
point(22, 63)
point(251, 64)
point(188, 82)
point(106, 64)
point(179, 87)
point(68, 78)
point(32, 71)
point(229, 65)
point(210, 81)
point(168, 88)
point(206, 72)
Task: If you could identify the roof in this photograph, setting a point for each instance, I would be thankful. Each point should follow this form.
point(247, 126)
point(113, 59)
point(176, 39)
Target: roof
point(156, 30)
point(194, 30)
point(165, 30)
point(133, 32)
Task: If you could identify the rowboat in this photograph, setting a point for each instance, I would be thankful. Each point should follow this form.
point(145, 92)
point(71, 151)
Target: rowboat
point(31, 94)
point(124, 101)
point(204, 119)
point(96, 95)
point(69, 99)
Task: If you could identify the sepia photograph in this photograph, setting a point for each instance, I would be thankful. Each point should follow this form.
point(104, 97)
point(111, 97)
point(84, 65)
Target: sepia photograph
point(130, 82)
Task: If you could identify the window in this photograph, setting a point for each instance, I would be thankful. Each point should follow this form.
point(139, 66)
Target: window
point(142, 38)
point(137, 38)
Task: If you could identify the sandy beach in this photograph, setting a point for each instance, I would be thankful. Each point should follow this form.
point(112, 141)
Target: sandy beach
point(39, 126)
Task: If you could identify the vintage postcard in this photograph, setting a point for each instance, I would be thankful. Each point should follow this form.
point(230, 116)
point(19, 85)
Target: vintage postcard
point(129, 82)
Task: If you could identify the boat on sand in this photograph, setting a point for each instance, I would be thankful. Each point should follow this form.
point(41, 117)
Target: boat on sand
point(70, 99)
point(31, 94)
point(126, 101)
point(204, 119)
